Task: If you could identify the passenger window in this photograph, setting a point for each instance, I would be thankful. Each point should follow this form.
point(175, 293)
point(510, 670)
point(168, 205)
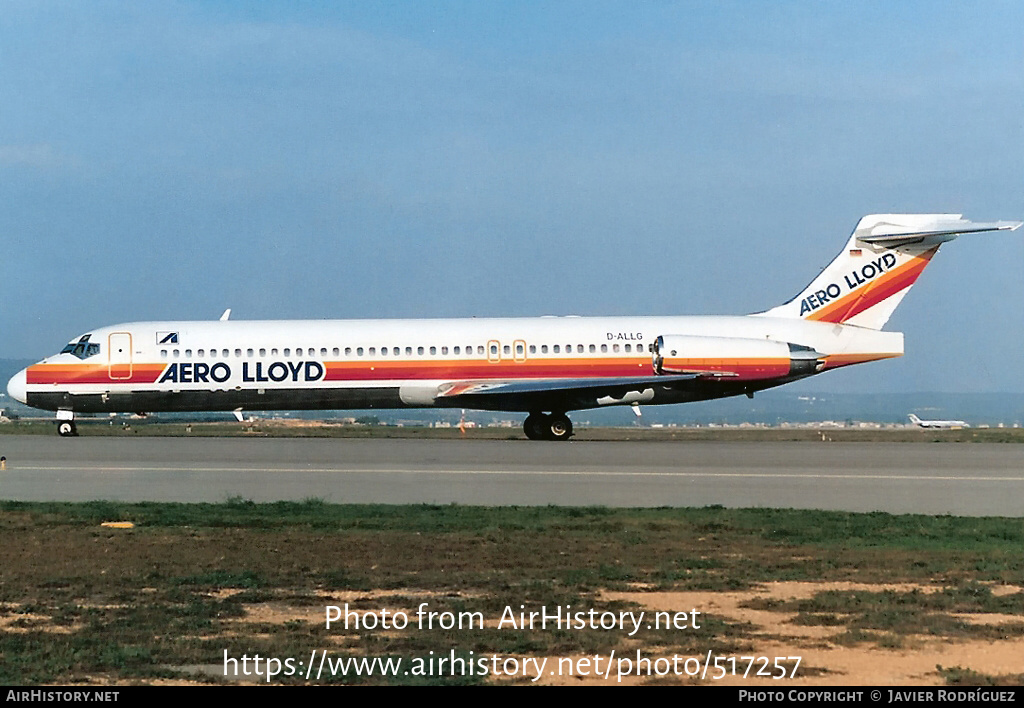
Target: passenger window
point(263, 352)
point(288, 352)
point(557, 349)
point(248, 352)
point(433, 351)
point(456, 351)
point(359, 351)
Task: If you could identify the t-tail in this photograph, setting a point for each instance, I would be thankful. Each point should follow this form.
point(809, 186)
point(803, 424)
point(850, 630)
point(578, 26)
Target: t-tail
point(883, 258)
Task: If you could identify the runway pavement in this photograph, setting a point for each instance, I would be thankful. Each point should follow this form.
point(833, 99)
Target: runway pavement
point(937, 478)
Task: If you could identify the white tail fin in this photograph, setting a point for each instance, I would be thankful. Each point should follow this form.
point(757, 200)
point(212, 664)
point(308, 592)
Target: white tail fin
point(882, 259)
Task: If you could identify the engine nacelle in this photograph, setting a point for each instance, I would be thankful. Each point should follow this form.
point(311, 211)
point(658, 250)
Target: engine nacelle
point(735, 358)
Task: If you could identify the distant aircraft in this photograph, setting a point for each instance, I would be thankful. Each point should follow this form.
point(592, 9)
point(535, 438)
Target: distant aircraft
point(937, 423)
point(543, 366)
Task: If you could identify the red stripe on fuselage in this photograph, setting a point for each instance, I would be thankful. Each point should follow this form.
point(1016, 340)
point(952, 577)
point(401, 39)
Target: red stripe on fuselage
point(70, 374)
point(461, 370)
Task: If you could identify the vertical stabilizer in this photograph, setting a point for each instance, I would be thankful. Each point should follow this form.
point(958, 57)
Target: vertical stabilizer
point(882, 259)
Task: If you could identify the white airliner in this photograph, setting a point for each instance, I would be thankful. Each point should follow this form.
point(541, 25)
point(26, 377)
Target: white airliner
point(545, 366)
point(937, 423)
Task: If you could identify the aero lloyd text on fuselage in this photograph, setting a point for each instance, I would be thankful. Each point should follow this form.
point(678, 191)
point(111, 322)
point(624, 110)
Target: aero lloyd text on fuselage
point(853, 280)
point(252, 372)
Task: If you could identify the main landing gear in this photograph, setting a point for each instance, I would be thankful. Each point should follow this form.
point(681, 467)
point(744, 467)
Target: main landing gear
point(541, 426)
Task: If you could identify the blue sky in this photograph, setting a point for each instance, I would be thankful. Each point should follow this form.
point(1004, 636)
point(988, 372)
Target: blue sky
point(407, 159)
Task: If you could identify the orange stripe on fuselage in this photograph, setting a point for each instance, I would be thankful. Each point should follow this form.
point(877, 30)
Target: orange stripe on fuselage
point(56, 374)
point(874, 292)
point(406, 370)
point(834, 361)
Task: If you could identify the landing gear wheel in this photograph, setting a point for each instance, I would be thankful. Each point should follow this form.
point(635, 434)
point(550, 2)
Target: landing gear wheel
point(559, 427)
point(66, 429)
point(536, 426)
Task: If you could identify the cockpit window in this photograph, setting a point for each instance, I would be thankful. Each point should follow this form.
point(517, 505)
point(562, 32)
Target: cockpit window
point(83, 349)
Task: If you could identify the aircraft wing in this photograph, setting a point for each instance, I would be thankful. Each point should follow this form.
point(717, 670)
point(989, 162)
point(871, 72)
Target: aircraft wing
point(559, 394)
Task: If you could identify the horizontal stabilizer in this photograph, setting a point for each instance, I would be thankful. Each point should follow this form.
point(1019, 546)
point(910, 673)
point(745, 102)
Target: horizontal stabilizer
point(929, 229)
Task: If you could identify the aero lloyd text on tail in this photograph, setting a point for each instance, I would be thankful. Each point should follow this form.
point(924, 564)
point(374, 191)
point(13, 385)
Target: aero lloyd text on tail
point(882, 259)
point(544, 366)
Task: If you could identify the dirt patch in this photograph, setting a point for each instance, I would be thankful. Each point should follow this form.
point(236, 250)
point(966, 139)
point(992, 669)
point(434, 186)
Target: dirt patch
point(25, 622)
point(826, 661)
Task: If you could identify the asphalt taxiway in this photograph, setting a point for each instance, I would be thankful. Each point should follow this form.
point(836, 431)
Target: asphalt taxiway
point(942, 478)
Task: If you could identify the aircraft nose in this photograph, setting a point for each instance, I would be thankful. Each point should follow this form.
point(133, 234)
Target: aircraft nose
point(17, 387)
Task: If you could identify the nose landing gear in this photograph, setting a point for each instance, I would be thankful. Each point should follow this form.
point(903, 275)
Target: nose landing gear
point(66, 428)
point(541, 426)
point(66, 423)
